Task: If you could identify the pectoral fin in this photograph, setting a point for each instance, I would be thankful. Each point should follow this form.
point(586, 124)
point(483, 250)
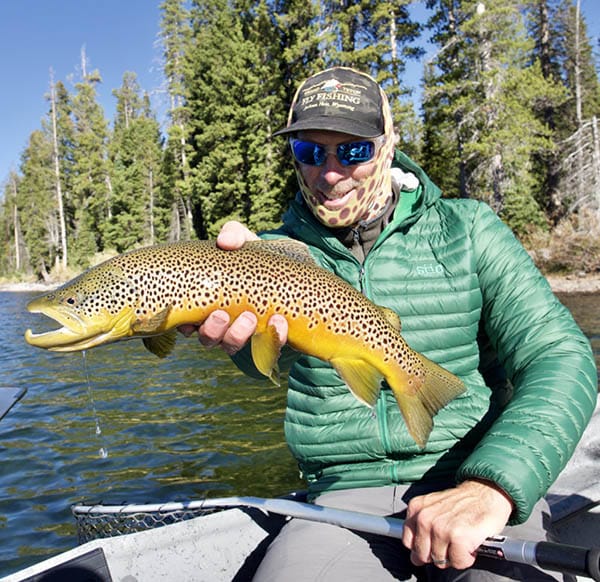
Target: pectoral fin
point(266, 348)
point(363, 379)
point(161, 345)
point(152, 324)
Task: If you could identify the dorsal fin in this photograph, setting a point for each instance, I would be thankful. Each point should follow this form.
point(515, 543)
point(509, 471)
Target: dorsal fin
point(285, 247)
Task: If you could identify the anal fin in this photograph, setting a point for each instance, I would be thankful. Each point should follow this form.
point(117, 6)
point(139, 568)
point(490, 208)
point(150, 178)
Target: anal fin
point(363, 380)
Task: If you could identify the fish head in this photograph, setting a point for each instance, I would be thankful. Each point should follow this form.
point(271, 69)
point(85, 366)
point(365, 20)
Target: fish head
point(95, 308)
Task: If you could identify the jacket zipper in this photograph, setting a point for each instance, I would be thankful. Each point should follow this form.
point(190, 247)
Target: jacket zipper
point(380, 408)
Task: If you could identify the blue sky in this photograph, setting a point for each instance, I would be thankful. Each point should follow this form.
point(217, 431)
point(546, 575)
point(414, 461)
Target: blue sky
point(35, 35)
point(118, 36)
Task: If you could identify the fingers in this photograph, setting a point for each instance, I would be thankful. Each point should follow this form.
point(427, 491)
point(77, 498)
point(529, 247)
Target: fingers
point(218, 329)
point(231, 336)
point(281, 325)
point(431, 544)
point(446, 528)
point(233, 235)
point(416, 534)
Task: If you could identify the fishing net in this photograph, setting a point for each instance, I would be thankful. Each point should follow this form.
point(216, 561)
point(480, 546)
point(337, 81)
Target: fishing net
point(105, 521)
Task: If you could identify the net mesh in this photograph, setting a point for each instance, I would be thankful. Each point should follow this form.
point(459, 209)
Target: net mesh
point(94, 523)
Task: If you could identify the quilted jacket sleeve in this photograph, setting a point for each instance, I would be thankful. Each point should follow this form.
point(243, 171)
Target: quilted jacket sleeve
point(549, 362)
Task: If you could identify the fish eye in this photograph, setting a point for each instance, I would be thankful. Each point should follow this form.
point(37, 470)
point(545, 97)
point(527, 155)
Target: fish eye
point(70, 300)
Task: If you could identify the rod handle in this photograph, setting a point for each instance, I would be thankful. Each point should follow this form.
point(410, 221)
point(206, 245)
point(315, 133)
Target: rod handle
point(546, 555)
point(566, 558)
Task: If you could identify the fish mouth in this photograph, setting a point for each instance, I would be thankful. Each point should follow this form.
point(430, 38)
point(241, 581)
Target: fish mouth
point(74, 335)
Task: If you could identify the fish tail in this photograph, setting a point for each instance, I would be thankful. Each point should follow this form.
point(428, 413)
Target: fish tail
point(421, 397)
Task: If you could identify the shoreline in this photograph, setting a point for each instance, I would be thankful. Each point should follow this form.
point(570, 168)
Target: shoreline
point(559, 284)
point(574, 283)
point(27, 287)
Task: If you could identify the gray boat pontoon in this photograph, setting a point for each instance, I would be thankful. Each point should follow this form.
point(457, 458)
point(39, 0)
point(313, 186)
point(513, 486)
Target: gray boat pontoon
point(193, 542)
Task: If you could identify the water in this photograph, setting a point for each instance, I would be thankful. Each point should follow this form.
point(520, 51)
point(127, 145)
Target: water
point(124, 426)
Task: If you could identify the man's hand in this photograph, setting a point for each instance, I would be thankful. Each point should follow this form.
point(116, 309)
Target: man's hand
point(217, 329)
point(233, 235)
point(446, 528)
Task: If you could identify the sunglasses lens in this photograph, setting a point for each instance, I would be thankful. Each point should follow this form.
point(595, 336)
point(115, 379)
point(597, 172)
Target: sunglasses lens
point(357, 152)
point(309, 153)
point(348, 154)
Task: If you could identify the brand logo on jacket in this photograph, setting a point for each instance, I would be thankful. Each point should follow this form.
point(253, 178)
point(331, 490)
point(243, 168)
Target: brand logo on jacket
point(429, 270)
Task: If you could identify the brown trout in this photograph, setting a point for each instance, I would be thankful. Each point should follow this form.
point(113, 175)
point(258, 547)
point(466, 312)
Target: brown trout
point(148, 292)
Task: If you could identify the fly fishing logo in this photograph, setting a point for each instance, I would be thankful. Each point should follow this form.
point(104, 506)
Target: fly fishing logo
point(332, 93)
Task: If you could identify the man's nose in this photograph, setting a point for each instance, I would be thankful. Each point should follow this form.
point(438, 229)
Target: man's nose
point(332, 170)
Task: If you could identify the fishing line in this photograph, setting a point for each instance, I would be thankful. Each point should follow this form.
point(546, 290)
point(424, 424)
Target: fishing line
point(102, 451)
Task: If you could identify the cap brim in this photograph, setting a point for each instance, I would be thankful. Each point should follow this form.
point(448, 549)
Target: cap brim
point(341, 125)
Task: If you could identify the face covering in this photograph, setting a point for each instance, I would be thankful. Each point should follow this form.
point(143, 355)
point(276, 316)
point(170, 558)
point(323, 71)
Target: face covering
point(371, 194)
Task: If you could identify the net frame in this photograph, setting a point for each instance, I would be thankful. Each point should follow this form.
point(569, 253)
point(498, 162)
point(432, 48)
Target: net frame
point(104, 521)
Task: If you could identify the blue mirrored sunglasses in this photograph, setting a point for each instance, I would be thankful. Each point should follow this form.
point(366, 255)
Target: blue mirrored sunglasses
point(348, 154)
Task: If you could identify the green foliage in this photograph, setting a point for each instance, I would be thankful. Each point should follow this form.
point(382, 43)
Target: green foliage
point(135, 154)
point(489, 98)
point(88, 210)
point(36, 202)
point(176, 188)
point(235, 107)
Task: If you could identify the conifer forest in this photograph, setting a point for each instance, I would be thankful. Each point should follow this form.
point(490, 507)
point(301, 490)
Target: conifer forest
point(508, 113)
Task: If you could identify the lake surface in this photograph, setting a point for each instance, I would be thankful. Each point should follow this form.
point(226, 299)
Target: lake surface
point(186, 427)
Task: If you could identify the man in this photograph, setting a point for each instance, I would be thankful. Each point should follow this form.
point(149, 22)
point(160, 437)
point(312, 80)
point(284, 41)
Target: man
point(463, 287)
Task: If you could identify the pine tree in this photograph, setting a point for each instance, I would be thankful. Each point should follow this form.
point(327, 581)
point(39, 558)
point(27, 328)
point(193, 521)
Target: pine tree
point(485, 92)
point(542, 19)
point(303, 38)
point(36, 202)
point(235, 108)
point(14, 255)
point(577, 65)
point(90, 184)
point(265, 167)
point(579, 186)
point(58, 174)
point(176, 37)
point(135, 155)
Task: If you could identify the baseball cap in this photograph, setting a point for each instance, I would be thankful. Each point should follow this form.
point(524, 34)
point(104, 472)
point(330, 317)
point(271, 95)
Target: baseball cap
point(337, 99)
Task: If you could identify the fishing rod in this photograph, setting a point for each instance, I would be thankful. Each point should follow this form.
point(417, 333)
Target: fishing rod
point(547, 555)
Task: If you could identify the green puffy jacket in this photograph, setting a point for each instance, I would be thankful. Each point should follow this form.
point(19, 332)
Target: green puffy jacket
point(454, 273)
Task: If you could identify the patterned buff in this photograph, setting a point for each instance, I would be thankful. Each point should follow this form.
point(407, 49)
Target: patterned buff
point(372, 194)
